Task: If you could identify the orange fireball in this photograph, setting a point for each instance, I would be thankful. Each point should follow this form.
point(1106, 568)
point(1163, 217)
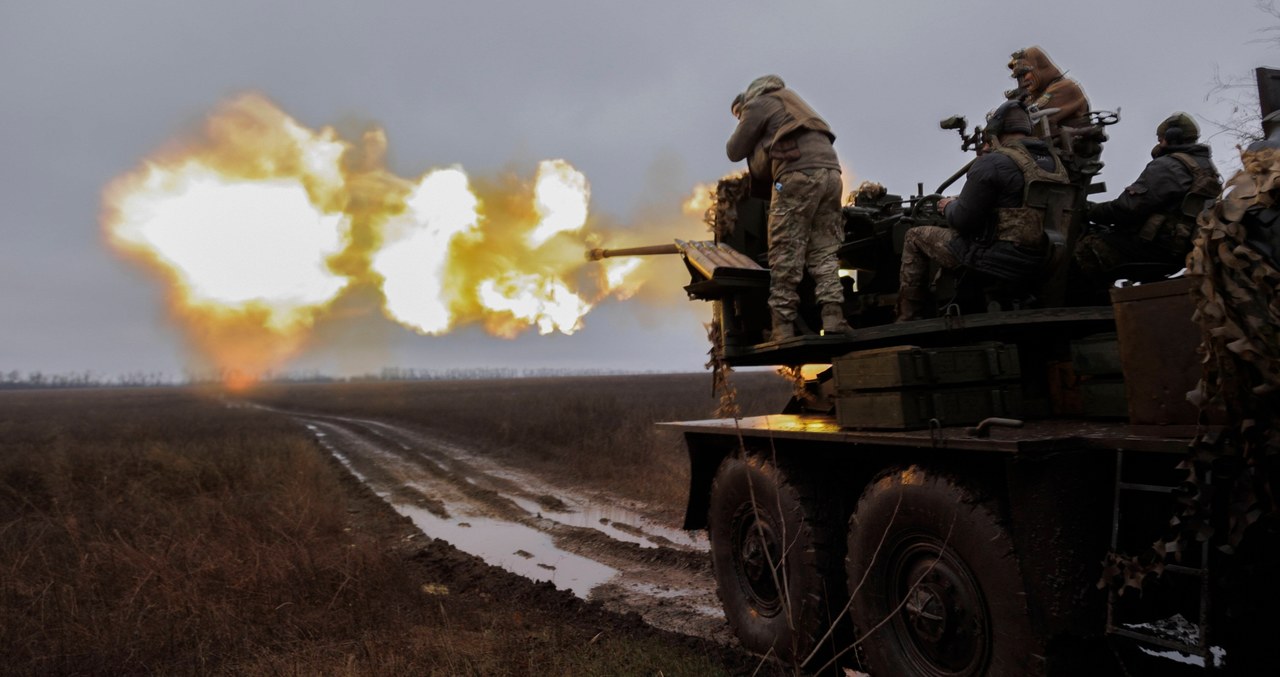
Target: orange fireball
point(260, 224)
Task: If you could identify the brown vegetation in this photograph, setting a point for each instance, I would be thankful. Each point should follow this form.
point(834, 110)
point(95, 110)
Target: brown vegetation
point(159, 531)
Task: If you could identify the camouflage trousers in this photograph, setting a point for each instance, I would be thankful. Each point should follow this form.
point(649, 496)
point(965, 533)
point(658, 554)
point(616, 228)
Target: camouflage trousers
point(922, 245)
point(1097, 254)
point(805, 230)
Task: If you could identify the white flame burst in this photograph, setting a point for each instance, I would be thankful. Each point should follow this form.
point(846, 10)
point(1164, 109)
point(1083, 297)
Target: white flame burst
point(259, 226)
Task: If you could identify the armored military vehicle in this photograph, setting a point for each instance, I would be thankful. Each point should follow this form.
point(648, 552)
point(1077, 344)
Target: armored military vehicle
point(977, 493)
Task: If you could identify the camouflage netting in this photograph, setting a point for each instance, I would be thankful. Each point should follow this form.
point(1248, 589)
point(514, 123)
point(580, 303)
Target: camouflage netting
point(720, 370)
point(795, 376)
point(722, 217)
point(1237, 295)
point(866, 194)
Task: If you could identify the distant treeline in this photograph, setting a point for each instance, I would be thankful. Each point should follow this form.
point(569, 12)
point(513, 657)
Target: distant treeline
point(14, 379)
point(402, 374)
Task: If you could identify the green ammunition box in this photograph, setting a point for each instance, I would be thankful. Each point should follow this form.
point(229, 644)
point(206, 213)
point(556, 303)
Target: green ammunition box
point(1104, 398)
point(913, 409)
point(907, 366)
point(1096, 355)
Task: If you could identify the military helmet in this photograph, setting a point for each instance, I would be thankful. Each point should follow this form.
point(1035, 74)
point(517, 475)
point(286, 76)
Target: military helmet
point(1010, 117)
point(1178, 128)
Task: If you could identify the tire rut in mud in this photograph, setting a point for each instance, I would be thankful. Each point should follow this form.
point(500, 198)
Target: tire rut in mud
point(667, 584)
point(483, 588)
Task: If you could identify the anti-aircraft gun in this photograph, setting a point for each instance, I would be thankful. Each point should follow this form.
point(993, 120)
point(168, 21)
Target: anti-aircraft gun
point(731, 270)
point(964, 495)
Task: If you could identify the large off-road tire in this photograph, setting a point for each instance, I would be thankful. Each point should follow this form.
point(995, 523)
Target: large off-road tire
point(776, 557)
point(936, 585)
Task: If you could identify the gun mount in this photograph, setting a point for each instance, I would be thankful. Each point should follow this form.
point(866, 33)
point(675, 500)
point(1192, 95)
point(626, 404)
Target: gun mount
point(731, 271)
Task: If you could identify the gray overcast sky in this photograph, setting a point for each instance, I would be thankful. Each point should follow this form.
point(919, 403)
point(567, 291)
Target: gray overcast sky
point(633, 94)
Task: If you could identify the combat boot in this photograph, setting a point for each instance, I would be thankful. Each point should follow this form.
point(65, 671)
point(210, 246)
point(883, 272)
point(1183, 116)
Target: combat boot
point(833, 321)
point(782, 328)
point(911, 305)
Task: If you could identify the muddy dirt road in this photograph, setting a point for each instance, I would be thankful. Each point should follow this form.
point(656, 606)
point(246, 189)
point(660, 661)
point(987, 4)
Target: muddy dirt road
point(591, 544)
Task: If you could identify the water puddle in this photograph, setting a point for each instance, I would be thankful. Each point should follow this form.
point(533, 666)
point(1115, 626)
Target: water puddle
point(517, 545)
point(616, 522)
point(346, 462)
point(667, 592)
point(613, 520)
point(661, 591)
point(514, 547)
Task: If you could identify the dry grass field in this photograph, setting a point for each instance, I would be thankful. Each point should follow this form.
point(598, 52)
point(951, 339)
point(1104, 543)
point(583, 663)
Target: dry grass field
point(594, 431)
point(169, 531)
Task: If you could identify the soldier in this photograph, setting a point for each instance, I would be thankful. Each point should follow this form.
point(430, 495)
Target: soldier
point(1043, 85)
point(805, 222)
point(991, 231)
point(759, 166)
point(1153, 220)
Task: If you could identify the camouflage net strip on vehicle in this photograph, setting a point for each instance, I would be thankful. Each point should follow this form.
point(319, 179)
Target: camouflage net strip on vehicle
point(795, 376)
point(721, 385)
point(722, 217)
point(1237, 295)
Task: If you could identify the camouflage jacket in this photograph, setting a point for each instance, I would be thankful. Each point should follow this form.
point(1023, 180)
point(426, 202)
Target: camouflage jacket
point(994, 182)
point(1160, 188)
point(769, 120)
point(1045, 86)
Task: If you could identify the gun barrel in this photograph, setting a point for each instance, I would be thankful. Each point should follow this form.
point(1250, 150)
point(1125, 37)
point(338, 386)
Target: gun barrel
point(650, 250)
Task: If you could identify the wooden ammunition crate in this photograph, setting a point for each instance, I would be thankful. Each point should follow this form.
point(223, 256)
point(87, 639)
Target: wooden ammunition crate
point(913, 409)
point(1158, 344)
point(910, 366)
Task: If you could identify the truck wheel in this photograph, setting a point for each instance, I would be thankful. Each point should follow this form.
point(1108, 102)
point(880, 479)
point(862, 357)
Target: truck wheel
point(768, 551)
point(936, 585)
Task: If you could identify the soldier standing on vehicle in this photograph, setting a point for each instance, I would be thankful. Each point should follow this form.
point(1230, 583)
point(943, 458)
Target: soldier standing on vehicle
point(805, 222)
point(1043, 85)
point(991, 231)
point(1153, 220)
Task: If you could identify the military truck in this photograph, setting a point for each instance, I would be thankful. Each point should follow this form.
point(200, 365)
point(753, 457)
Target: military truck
point(970, 494)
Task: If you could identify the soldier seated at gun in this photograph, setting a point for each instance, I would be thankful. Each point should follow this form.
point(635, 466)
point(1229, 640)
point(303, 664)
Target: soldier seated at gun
point(1043, 85)
point(1153, 221)
point(1063, 115)
point(992, 228)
